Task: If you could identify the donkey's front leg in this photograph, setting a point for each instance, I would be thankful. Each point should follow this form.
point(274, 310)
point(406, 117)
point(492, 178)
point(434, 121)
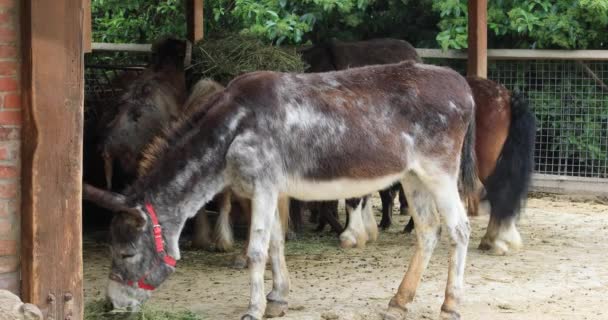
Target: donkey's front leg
point(277, 298)
point(263, 216)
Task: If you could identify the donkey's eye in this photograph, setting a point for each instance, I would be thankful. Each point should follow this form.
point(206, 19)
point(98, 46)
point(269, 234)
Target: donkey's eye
point(128, 255)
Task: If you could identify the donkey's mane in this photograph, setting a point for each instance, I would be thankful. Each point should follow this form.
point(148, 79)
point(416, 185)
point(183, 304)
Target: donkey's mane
point(171, 133)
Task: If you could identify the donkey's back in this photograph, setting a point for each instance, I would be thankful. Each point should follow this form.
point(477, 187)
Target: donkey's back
point(332, 131)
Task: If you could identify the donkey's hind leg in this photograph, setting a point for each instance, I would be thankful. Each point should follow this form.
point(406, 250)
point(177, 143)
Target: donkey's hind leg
point(277, 298)
point(427, 233)
point(452, 211)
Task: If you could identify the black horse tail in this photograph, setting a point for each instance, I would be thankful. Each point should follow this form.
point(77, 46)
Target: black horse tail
point(468, 167)
point(507, 187)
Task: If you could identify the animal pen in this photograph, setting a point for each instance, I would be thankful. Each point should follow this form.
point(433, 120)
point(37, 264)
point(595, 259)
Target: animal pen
point(41, 249)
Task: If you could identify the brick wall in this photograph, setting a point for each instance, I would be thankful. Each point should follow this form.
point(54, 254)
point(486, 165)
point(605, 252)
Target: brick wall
point(10, 132)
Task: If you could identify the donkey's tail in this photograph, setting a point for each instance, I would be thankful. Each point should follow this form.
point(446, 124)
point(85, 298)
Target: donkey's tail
point(508, 185)
point(468, 167)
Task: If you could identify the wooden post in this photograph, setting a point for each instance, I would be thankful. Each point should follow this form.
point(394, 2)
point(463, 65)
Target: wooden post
point(53, 79)
point(87, 34)
point(194, 15)
point(477, 63)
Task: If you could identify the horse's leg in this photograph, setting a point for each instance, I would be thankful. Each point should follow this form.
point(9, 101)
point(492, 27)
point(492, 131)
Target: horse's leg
point(454, 215)
point(402, 201)
point(427, 234)
point(202, 231)
point(223, 230)
point(409, 227)
point(332, 216)
point(319, 210)
point(501, 235)
point(283, 206)
point(296, 213)
point(369, 220)
point(355, 234)
point(240, 260)
point(263, 217)
point(277, 298)
point(387, 196)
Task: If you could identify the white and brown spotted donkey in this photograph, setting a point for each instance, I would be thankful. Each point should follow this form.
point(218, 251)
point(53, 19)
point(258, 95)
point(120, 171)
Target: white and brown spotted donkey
point(311, 137)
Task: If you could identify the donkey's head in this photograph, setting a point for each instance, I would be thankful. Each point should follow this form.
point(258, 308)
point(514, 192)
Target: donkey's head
point(140, 262)
point(147, 105)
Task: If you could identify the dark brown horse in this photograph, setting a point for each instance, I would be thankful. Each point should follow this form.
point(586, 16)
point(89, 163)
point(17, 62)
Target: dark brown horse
point(504, 138)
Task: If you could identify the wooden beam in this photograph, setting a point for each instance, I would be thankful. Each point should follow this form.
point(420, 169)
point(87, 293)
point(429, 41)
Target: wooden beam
point(520, 54)
point(477, 63)
point(194, 15)
point(53, 79)
point(87, 34)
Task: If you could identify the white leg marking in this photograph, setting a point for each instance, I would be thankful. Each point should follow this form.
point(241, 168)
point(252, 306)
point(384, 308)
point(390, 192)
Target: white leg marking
point(501, 238)
point(263, 216)
point(355, 234)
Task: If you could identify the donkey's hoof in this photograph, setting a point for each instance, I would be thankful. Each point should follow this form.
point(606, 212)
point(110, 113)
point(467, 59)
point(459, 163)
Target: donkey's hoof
point(249, 317)
point(394, 313)
point(223, 246)
point(449, 315)
point(240, 262)
point(275, 309)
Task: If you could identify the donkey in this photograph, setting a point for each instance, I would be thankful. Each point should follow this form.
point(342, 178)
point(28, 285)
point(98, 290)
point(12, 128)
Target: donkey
point(149, 102)
point(367, 128)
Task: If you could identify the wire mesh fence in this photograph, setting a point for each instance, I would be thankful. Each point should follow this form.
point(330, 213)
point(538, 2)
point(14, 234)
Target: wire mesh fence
point(570, 101)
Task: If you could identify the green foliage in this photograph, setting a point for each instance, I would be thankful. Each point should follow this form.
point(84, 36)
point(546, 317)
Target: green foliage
point(295, 22)
point(567, 24)
point(136, 21)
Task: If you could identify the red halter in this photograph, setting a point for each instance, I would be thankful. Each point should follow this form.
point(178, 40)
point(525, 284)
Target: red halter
point(160, 248)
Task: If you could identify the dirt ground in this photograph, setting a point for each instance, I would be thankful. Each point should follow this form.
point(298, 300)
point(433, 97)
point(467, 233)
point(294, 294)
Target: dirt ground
point(561, 273)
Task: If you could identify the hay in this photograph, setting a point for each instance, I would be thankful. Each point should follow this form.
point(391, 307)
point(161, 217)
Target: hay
point(223, 58)
point(98, 310)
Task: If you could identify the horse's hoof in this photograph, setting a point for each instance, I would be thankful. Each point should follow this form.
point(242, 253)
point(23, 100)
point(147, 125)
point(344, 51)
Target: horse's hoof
point(291, 235)
point(394, 313)
point(500, 247)
point(249, 317)
point(449, 315)
point(240, 262)
point(347, 240)
point(275, 309)
point(223, 246)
